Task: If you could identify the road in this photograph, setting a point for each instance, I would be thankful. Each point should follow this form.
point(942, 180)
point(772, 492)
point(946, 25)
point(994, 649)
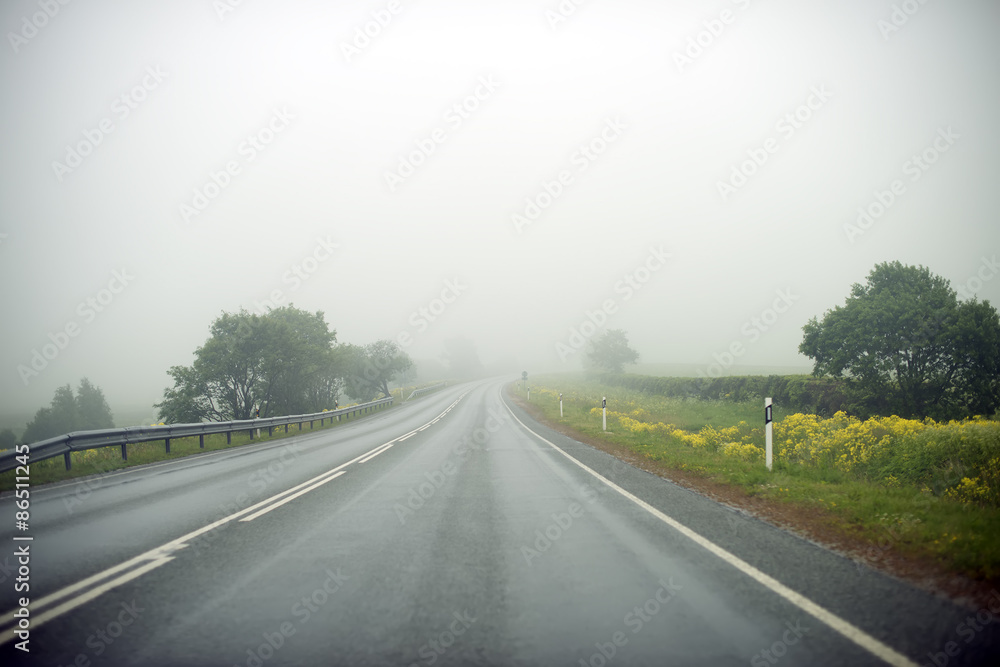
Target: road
point(453, 530)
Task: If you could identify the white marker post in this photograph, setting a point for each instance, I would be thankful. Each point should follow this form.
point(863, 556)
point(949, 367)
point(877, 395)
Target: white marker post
point(560, 405)
point(604, 410)
point(768, 425)
point(529, 394)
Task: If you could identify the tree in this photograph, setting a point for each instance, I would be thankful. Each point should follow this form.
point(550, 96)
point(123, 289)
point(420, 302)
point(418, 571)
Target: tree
point(907, 345)
point(7, 439)
point(95, 413)
point(280, 363)
point(372, 367)
point(300, 363)
point(610, 351)
point(86, 411)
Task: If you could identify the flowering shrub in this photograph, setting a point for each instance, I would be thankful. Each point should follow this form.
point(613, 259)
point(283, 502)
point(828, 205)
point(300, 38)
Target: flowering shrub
point(959, 460)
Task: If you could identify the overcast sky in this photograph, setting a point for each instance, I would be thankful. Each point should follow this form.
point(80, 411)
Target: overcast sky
point(171, 161)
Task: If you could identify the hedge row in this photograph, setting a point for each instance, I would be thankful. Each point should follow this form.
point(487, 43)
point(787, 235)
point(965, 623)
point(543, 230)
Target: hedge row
point(798, 393)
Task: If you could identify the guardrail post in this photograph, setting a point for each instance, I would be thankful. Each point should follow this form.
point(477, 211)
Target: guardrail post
point(270, 431)
point(167, 440)
point(310, 424)
point(124, 453)
point(229, 437)
point(251, 434)
point(201, 440)
point(300, 426)
point(69, 462)
point(286, 428)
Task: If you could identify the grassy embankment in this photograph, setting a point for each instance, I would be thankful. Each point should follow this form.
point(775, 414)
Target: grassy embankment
point(926, 491)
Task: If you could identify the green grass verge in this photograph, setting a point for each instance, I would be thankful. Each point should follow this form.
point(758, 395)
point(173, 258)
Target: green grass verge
point(880, 519)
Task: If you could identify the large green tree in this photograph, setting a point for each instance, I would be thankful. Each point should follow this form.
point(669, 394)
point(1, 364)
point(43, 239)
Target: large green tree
point(86, 411)
point(908, 346)
point(279, 363)
point(610, 351)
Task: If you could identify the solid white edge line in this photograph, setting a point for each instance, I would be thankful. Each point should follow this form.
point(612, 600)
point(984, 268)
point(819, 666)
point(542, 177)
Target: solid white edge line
point(854, 634)
point(292, 497)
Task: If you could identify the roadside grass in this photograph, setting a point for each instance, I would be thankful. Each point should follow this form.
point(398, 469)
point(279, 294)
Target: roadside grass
point(948, 519)
point(108, 459)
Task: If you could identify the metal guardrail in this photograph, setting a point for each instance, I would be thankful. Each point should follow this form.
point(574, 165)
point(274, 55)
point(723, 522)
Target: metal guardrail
point(421, 392)
point(79, 441)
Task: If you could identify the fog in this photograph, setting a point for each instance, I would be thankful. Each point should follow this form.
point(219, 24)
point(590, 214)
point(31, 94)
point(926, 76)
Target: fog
point(507, 172)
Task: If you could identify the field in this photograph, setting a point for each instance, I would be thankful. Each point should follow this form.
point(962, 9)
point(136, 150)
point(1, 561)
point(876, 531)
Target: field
point(925, 491)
